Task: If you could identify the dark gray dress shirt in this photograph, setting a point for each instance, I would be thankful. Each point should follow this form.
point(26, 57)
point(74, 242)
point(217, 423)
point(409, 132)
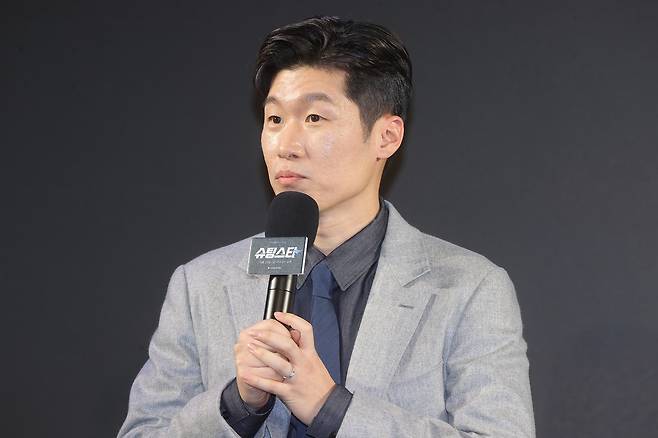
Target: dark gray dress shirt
point(353, 265)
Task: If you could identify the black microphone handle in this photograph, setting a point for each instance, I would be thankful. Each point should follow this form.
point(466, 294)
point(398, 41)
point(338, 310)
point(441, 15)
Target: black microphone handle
point(280, 295)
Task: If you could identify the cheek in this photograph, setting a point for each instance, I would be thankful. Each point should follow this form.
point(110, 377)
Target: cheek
point(267, 147)
point(328, 147)
point(340, 152)
point(268, 143)
point(265, 142)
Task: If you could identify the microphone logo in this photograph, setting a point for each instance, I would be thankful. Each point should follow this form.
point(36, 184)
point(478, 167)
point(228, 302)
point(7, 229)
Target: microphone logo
point(281, 252)
point(277, 255)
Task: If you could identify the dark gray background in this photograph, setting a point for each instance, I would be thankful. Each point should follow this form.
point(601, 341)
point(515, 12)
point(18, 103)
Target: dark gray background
point(129, 147)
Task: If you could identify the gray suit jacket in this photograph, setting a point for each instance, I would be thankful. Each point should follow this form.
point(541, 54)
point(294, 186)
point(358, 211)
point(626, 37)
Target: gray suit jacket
point(439, 351)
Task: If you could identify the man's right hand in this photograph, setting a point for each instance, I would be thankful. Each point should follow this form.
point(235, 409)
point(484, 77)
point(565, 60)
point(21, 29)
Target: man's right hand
point(245, 361)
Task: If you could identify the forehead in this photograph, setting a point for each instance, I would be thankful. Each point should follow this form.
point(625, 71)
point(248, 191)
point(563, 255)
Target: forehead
point(307, 83)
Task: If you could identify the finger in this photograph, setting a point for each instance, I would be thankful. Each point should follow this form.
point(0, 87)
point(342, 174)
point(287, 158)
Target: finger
point(273, 360)
point(281, 344)
point(267, 325)
point(273, 325)
point(304, 327)
point(245, 358)
point(271, 351)
point(263, 373)
point(266, 373)
point(272, 386)
point(245, 338)
point(254, 341)
point(295, 335)
point(248, 335)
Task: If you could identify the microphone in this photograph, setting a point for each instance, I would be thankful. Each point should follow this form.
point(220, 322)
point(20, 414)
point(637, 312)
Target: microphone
point(291, 214)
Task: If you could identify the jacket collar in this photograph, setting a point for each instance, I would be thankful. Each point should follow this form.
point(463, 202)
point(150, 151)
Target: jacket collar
point(403, 249)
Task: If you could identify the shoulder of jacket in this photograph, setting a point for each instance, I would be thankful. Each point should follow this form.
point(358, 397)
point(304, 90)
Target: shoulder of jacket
point(442, 252)
point(229, 254)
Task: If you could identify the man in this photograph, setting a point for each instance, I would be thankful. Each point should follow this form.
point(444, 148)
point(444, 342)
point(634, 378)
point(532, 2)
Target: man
point(426, 338)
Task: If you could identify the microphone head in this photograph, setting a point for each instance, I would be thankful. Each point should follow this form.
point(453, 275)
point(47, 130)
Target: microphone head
point(293, 214)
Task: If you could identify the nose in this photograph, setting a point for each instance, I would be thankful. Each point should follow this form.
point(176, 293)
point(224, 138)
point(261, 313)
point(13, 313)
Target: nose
point(291, 142)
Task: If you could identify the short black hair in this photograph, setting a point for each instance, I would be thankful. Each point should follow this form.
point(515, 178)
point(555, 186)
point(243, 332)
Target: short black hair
point(376, 63)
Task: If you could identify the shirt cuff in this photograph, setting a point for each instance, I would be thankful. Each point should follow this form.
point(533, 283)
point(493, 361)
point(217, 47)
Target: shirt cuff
point(328, 420)
point(243, 419)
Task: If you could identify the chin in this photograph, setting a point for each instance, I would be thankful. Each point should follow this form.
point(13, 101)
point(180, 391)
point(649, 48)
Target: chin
point(280, 189)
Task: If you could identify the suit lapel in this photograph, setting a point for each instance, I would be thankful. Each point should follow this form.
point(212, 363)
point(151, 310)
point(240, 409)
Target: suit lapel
point(395, 306)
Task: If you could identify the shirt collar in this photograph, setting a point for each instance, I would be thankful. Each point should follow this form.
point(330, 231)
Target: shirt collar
point(349, 261)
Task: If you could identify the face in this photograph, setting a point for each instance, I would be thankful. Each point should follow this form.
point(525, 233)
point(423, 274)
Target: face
point(313, 140)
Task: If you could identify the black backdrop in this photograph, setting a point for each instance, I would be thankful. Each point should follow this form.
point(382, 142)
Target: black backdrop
point(129, 147)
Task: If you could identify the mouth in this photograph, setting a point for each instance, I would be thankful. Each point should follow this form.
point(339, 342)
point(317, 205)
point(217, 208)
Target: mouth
point(286, 177)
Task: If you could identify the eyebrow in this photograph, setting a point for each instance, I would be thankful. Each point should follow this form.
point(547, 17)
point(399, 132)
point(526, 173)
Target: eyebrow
point(309, 97)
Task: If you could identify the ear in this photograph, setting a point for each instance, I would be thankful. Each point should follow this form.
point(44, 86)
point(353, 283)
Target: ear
point(390, 134)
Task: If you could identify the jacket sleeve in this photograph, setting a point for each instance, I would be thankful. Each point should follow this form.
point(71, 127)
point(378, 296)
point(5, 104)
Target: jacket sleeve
point(487, 388)
point(168, 397)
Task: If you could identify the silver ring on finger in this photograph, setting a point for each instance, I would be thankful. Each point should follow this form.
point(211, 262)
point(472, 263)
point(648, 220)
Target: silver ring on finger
point(290, 375)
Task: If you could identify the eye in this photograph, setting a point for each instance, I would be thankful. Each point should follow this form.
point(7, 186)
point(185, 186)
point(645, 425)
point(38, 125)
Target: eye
point(313, 118)
point(274, 119)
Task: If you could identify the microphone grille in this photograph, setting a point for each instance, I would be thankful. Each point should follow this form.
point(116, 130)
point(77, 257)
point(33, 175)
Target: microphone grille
point(292, 214)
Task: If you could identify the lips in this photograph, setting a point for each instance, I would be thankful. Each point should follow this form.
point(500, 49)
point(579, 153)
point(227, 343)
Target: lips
point(288, 176)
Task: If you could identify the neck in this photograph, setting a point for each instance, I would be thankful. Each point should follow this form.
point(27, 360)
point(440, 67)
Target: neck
point(339, 223)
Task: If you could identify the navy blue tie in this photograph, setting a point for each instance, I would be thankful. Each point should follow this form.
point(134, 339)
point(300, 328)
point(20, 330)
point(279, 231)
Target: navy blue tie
point(325, 331)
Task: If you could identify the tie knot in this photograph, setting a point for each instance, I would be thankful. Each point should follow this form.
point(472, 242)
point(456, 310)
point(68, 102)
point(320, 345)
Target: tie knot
point(323, 280)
